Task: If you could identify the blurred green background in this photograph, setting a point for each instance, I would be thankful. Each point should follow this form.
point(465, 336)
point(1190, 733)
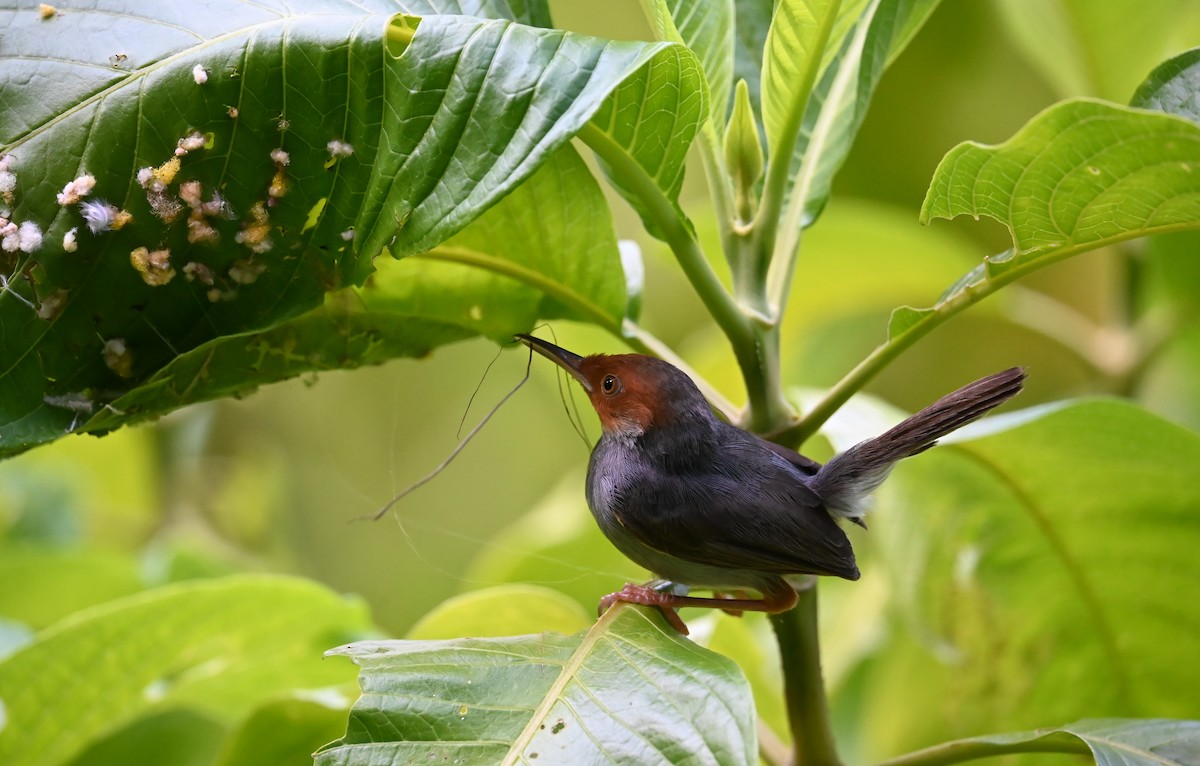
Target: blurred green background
point(275, 482)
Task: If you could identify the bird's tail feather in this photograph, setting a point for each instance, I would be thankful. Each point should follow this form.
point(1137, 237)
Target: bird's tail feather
point(846, 480)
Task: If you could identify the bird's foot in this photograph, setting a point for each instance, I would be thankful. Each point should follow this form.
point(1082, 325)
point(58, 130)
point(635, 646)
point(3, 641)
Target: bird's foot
point(739, 595)
point(640, 594)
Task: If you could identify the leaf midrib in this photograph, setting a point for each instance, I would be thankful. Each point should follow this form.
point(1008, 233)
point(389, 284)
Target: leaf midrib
point(554, 692)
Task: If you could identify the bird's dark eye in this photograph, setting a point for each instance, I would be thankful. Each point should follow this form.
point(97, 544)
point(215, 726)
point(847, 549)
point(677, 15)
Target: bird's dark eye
point(610, 384)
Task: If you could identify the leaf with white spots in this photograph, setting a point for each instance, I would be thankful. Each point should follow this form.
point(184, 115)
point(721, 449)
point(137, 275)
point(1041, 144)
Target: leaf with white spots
point(181, 190)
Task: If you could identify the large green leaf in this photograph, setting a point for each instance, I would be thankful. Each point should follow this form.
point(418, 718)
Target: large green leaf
point(546, 250)
point(1048, 553)
point(56, 583)
point(630, 690)
point(456, 107)
point(798, 44)
point(219, 646)
point(1081, 174)
point(482, 103)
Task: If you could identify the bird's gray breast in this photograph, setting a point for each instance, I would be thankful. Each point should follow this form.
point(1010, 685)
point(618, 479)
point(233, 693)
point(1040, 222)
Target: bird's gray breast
point(611, 470)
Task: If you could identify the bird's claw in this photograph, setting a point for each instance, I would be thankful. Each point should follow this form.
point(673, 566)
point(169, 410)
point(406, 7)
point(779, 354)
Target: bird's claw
point(639, 594)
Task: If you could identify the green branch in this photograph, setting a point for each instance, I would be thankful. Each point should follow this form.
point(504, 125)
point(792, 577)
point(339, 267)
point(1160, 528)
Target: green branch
point(679, 237)
point(675, 232)
point(948, 306)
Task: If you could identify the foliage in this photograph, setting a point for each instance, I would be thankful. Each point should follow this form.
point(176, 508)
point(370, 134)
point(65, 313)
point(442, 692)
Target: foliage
point(283, 188)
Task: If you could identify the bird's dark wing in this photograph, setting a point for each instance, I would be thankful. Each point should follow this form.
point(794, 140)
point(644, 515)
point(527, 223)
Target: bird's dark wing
point(806, 465)
point(750, 510)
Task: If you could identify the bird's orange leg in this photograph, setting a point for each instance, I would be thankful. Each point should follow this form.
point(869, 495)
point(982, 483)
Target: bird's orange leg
point(778, 597)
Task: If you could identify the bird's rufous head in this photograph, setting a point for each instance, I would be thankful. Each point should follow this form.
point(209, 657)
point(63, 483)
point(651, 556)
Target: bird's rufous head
point(631, 393)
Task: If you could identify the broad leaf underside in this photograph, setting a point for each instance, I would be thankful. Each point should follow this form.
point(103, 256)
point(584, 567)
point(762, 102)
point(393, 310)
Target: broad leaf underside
point(629, 690)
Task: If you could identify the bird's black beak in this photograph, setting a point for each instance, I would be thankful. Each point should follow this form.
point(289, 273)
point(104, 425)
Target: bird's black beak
point(565, 359)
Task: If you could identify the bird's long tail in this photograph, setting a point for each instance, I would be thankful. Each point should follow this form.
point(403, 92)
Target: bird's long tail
point(845, 481)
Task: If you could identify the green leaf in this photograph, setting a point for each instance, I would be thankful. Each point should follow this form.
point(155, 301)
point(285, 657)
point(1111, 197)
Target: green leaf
point(752, 25)
point(630, 690)
point(643, 131)
point(502, 610)
point(814, 132)
point(57, 583)
point(1080, 175)
point(240, 83)
point(1111, 742)
point(707, 29)
point(904, 319)
point(797, 45)
point(1019, 560)
point(868, 37)
point(471, 120)
point(1173, 87)
point(70, 112)
point(218, 646)
point(547, 250)
point(286, 731)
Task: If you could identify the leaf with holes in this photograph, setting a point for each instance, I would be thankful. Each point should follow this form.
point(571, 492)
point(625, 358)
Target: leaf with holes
point(630, 690)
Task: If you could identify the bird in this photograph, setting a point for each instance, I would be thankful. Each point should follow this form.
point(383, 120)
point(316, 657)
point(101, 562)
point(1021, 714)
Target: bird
point(704, 504)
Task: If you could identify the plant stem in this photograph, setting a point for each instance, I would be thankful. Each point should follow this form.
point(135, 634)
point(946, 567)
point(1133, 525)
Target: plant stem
point(720, 190)
point(963, 296)
point(804, 689)
point(729, 316)
point(967, 750)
